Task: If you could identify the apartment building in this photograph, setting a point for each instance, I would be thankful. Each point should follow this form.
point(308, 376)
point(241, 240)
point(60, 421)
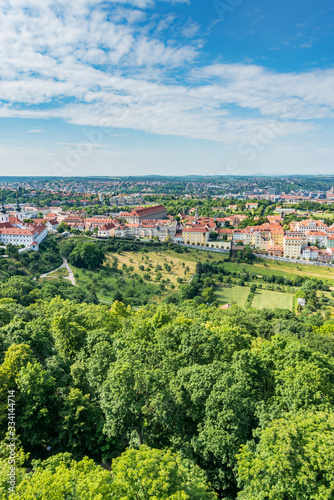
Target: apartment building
point(193, 235)
point(239, 235)
point(293, 246)
point(310, 225)
point(51, 225)
point(139, 214)
point(276, 251)
point(106, 231)
point(251, 206)
point(317, 238)
point(125, 231)
point(28, 235)
point(277, 235)
point(225, 234)
point(148, 231)
point(310, 253)
point(74, 221)
point(261, 239)
point(96, 221)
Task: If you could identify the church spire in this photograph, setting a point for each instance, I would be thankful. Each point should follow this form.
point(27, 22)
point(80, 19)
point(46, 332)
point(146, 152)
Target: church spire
point(18, 209)
point(3, 209)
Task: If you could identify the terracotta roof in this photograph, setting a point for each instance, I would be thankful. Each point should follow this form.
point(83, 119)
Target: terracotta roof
point(306, 222)
point(14, 220)
point(292, 238)
point(195, 230)
point(17, 230)
point(106, 227)
point(139, 212)
point(315, 233)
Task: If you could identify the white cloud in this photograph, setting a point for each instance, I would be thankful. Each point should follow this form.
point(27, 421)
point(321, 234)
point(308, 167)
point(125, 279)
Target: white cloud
point(91, 64)
point(190, 29)
point(304, 96)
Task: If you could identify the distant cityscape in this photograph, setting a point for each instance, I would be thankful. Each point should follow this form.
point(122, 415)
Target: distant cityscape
point(290, 224)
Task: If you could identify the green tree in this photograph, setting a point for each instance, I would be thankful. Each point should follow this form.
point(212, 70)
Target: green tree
point(12, 250)
point(18, 288)
point(157, 474)
point(17, 356)
point(62, 227)
point(229, 419)
point(208, 294)
point(69, 336)
point(293, 460)
point(36, 405)
point(60, 477)
point(118, 297)
point(86, 254)
point(81, 424)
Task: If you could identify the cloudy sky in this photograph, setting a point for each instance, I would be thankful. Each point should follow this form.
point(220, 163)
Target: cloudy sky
point(135, 87)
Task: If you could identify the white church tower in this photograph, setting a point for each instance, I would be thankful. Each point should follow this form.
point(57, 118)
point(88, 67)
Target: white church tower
point(3, 215)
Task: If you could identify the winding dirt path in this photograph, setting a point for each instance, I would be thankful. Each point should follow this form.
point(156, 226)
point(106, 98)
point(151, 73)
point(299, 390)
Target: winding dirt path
point(65, 264)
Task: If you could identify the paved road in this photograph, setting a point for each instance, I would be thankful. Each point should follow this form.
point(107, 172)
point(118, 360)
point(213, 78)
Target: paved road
point(70, 276)
point(261, 256)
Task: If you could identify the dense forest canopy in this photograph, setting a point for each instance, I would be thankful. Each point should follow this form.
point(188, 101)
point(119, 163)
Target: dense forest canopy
point(174, 400)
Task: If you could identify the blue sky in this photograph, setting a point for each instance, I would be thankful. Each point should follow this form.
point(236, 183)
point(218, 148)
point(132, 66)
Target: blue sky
point(177, 87)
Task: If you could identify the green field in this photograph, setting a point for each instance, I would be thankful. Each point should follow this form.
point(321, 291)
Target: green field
point(261, 267)
point(234, 295)
point(262, 299)
point(266, 299)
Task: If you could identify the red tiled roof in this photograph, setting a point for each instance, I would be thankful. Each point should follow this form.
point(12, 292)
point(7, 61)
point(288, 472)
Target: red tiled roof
point(106, 227)
point(17, 230)
point(139, 212)
point(195, 230)
point(315, 233)
point(14, 220)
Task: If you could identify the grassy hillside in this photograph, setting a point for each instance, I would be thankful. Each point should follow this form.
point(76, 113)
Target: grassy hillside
point(267, 267)
point(139, 274)
point(169, 266)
